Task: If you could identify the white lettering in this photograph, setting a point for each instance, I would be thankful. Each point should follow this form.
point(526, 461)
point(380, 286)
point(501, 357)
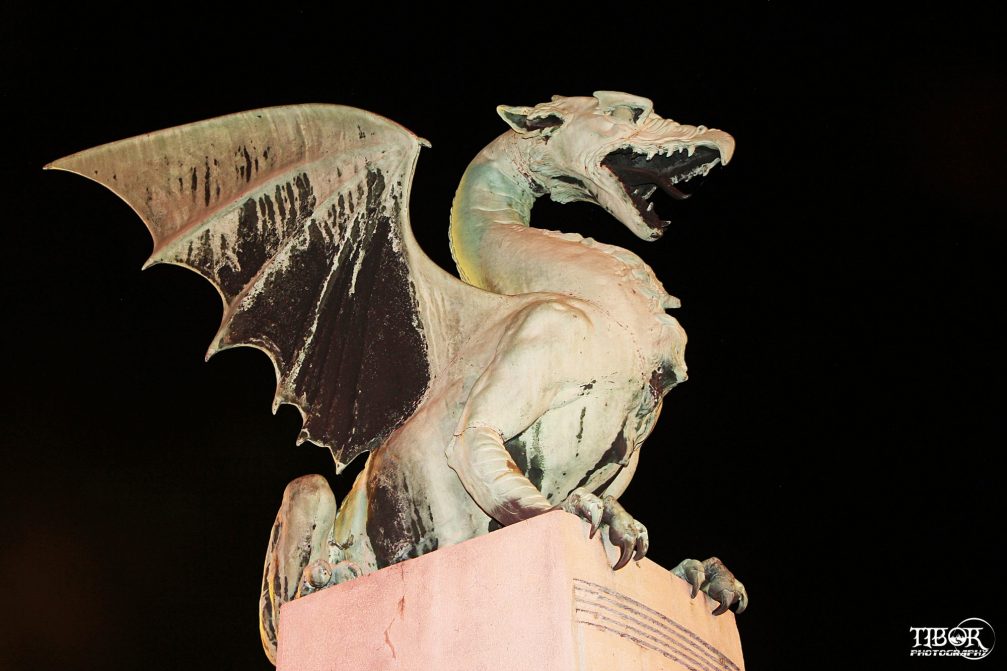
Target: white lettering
point(972, 636)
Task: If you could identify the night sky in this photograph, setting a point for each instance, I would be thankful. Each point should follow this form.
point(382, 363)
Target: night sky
point(841, 284)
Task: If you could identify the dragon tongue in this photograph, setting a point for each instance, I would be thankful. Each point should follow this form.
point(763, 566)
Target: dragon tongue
point(669, 188)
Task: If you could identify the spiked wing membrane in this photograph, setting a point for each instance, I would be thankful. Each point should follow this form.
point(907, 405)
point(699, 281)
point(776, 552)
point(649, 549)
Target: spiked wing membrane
point(298, 216)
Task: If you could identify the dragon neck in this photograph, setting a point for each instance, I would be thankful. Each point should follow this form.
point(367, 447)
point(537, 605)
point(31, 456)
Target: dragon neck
point(495, 248)
point(496, 190)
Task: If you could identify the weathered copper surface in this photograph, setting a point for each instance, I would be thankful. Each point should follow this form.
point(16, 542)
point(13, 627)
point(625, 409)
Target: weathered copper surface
point(527, 386)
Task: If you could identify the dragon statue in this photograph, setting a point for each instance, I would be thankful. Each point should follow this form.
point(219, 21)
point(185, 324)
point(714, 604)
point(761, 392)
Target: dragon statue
point(526, 387)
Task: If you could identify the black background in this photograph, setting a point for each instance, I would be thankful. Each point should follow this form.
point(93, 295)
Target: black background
point(841, 280)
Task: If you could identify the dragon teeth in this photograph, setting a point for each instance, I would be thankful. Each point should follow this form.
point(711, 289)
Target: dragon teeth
point(650, 207)
point(644, 192)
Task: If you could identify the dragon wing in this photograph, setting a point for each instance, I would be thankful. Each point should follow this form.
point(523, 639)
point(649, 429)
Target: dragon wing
point(298, 216)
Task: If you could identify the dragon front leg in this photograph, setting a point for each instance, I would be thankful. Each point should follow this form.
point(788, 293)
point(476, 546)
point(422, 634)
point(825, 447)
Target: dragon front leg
point(494, 481)
point(491, 477)
point(534, 369)
point(529, 373)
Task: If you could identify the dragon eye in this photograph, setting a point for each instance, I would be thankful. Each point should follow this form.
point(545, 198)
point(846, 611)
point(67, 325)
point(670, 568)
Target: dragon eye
point(627, 113)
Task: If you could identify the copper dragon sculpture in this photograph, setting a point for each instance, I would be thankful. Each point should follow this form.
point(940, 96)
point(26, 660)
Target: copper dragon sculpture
point(528, 385)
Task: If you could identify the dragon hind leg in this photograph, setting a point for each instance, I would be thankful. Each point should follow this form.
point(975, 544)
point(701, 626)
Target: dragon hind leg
point(300, 537)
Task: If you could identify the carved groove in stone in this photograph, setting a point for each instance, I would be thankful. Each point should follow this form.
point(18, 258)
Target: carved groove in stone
point(611, 611)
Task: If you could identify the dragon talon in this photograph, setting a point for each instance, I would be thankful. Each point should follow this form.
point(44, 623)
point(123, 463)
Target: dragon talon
point(625, 555)
point(692, 572)
point(698, 578)
point(586, 506)
point(742, 600)
point(642, 545)
point(596, 517)
point(727, 598)
point(624, 532)
point(741, 594)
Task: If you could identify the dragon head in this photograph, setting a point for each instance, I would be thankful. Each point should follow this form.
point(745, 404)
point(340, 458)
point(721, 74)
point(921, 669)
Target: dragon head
point(613, 150)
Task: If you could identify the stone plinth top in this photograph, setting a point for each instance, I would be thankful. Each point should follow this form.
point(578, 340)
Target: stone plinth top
point(535, 595)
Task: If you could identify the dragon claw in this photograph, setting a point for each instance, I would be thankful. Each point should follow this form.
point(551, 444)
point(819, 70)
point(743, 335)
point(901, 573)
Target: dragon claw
point(742, 600)
point(642, 544)
point(626, 551)
point(631, 540)
point(586, 506)
point(728, 599)
point(713, 578)
point(624, 532)
point(316, 575)
point(692, 572)
point(320, 574)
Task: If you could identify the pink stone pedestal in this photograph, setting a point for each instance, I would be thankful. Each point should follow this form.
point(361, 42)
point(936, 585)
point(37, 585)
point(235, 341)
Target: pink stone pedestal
point(532, 596)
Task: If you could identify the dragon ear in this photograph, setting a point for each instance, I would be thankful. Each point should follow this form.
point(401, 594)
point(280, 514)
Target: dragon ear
point(530, 122)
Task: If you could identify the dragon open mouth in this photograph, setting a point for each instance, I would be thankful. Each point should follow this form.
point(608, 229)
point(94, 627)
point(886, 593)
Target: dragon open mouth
point(678, 174)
